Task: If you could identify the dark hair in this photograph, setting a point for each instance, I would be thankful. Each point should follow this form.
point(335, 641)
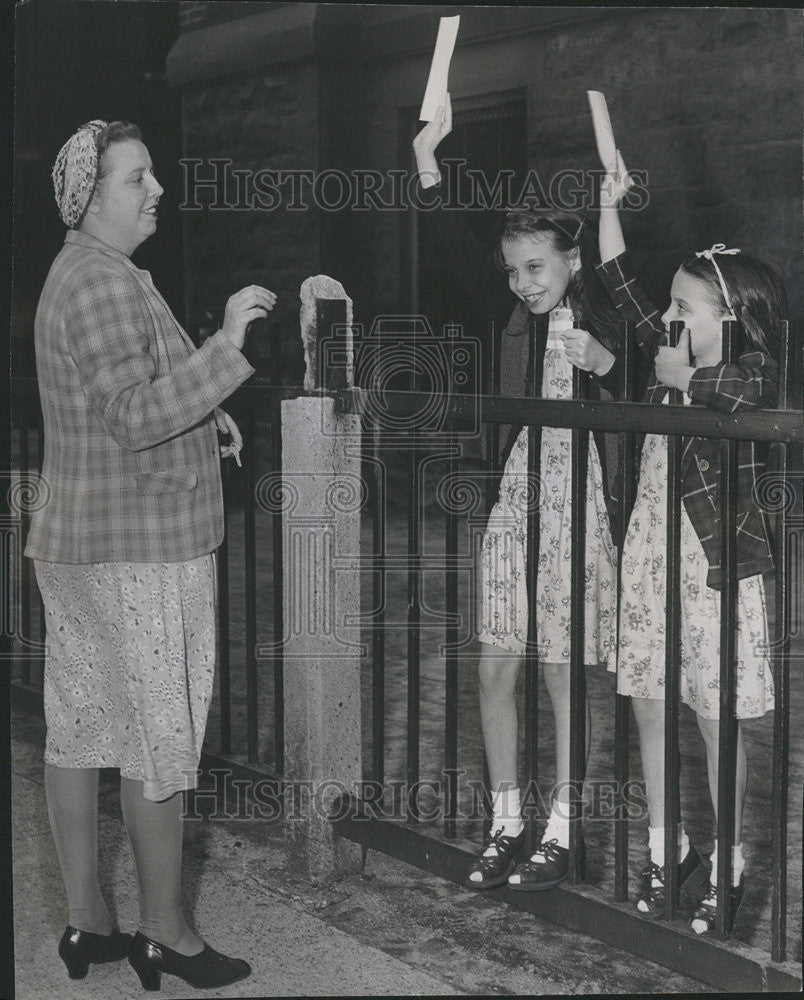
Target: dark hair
point(567, 231)
point(114, 132)
point(757, 295)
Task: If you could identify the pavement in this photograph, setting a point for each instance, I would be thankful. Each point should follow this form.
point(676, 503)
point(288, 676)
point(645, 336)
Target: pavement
point(391, 931)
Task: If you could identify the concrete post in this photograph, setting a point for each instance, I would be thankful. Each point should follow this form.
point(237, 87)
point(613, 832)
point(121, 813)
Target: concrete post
point(323, 495)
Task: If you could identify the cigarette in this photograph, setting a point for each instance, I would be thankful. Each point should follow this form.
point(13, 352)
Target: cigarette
point(236, 453)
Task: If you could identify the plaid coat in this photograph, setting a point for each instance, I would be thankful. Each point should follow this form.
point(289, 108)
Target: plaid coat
point(131, 456)
point(751, 383)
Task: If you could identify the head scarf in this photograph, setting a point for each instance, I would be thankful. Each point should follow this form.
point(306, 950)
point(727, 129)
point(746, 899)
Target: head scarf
point(75, 172)
point(710, 256)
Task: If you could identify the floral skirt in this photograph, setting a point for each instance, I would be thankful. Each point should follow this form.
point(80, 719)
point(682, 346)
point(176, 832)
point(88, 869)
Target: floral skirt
point(503, 599)
point(641, 667)
point(129, 667)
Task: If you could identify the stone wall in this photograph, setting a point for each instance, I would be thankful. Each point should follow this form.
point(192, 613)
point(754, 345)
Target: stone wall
point(265, 121)
point(707, 101)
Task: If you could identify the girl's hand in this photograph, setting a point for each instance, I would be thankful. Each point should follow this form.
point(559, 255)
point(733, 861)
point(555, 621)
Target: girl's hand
point(226, 425)
point(616, 184)
point(242, 308)
point(586, 353)
point(673, 364)
point(426, 142)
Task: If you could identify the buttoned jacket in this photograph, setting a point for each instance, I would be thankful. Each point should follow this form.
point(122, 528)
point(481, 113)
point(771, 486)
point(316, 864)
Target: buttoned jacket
point(131, 464)
point(751, 383)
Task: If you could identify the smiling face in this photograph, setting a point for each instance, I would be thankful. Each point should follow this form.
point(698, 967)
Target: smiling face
point(123, 208)
point(538, 274)
point(691, 303)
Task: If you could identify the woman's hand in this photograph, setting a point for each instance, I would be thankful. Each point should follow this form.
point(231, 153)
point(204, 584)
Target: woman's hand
point(226, 425)
point(242, 308)
point(426, 142)
point(586, 353)
point(616, 184)
point(673, 364)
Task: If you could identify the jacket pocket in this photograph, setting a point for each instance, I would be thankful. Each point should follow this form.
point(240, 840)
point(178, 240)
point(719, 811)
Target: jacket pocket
point(167, 481)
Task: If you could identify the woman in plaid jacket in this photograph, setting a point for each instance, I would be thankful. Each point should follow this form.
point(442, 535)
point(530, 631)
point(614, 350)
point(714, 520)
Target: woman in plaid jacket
point(710, 287)
point(124, 549)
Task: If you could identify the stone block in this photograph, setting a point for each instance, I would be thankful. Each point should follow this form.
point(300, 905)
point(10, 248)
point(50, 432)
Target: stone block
point(322, 287)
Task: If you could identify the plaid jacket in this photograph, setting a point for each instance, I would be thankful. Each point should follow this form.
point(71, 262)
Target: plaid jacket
point(131, 455)
point(751, 383)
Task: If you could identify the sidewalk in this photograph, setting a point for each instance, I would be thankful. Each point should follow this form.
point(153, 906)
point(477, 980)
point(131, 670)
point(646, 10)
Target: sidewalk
point(392, 931)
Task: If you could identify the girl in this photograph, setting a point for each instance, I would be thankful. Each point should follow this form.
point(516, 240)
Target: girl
point(708, 288)
point(549, 260)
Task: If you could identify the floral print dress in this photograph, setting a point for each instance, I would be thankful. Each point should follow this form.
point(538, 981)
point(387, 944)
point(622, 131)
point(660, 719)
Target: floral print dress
point(641, 668)
point(503, 599)
point(129, 667)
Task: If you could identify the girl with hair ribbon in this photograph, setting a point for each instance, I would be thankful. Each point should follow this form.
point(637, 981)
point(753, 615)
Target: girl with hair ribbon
point(709, 287)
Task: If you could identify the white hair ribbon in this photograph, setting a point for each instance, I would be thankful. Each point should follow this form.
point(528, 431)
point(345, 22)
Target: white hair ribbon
point(709, 254)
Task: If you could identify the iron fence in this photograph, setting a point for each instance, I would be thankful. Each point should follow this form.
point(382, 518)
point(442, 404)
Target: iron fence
point(668, 940)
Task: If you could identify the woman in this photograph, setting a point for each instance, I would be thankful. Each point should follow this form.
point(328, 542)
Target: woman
point(124, 549)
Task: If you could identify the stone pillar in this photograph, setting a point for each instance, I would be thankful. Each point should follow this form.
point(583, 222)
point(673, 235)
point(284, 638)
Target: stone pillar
point(323, 495)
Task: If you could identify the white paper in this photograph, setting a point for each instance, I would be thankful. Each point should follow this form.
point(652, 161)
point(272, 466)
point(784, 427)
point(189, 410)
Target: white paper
point(604, 134)
point(435, 94)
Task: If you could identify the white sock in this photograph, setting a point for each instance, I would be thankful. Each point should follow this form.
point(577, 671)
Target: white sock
point(507, 812)
point(737, 864)
point(557, 828)
point(656, 844)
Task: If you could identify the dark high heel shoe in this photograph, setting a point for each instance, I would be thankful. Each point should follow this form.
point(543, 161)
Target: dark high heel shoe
point(208, 969)
point(80, 949)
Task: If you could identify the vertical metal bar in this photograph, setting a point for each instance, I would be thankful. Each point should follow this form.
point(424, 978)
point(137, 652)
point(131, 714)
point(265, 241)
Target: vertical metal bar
point(493, 458)
point(622, 708)
point(277, 552)
point(25, 568)
point(414, 666)
point(672, 655)
point(577, 733)
point(492, 430)
point(379, 555)
point(781, 674)
point(532, 492)
point(224, 673)
point(250, 556)
point(40, 447)
point(451, 636)
point(727, 734)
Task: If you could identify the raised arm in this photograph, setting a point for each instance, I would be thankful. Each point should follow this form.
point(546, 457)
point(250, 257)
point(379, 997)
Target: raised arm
point(615, 268)
point(457, 249)
point(426, 143)
point(613, 188)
